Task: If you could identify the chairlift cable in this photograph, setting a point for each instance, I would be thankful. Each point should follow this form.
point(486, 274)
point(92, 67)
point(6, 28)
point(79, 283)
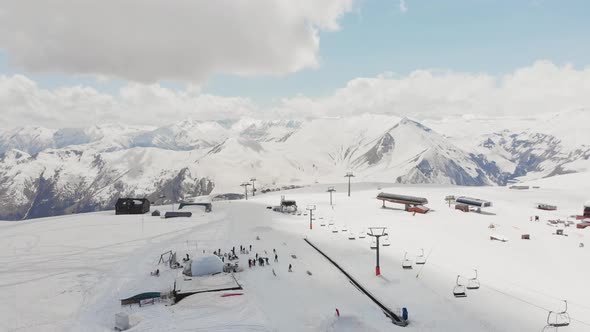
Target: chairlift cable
point(530, 303)
point(425, 261)
point(513, 296)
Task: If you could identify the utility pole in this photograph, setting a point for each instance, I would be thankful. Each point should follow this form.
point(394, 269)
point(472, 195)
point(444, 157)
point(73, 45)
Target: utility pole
point(331, 190)
point(349, 175)
point(253, 187)
point(377, 232)
point(310, 208)
point(245, 185)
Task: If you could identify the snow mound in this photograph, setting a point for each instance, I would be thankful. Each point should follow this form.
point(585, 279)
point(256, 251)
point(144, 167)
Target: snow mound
point(203, 265)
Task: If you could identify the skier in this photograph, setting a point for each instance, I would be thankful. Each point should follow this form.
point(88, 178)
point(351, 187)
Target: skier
point(290, 270)
point(276, 258)
point(249, 263)
point(256, 255)
point(250, 247)
point(266, 259)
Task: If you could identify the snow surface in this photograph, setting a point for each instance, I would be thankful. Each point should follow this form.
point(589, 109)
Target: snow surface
point(69, 272)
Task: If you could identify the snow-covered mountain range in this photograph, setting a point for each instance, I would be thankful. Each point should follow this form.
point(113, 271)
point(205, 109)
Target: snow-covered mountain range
point(47, 172)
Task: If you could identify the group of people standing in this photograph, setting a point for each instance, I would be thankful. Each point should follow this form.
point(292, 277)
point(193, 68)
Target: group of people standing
point(262, 260)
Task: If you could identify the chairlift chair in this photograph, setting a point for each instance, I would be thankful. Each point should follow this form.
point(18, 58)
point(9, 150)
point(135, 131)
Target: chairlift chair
point(373, 243)
point(473, 283)
point(459, 289)
point(556, 319)
point(351, 236)
point(421, 259)
point(362, 235)
point(344, 228)
point(406, 263)
point(334, 229)
point(386, 242)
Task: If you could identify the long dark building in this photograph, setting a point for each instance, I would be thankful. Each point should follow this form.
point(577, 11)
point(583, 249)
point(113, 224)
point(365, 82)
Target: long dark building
point(132, 206)
point(402, 199)
point(480, 203)
point(408, 201)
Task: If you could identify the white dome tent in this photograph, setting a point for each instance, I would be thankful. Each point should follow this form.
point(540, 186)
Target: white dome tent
point(203, 265)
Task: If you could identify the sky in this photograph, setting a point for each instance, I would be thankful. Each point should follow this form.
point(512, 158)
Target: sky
point(144, 61)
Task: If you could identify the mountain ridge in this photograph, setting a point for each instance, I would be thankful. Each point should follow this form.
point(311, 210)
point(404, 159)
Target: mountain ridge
point(54, 171)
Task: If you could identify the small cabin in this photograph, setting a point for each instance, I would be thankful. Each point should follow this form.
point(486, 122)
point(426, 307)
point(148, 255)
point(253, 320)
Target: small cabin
point(418, 209)
point(132, 206)
point(462, 207)
point(288, 205)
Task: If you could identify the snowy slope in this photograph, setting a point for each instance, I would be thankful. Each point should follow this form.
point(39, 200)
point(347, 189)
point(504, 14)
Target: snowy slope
point(68, 273)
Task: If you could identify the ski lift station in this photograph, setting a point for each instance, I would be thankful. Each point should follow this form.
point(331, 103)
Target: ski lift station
point(411, 203)
point(463, 203)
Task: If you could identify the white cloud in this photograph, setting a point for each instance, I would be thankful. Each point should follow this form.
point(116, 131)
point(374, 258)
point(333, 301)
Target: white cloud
point(540, 88)
point(424, 94)
point(23, 102)
point(402, 6)
point(151, 40)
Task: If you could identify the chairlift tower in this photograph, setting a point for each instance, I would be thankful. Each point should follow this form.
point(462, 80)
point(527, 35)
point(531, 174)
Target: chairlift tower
point(245, 185)
point(349, 175)
point(310, 208)
point(253, 186)
point(377, 232)
point(331, 190)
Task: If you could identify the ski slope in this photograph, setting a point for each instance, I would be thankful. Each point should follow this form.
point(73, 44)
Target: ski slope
point(69, 272)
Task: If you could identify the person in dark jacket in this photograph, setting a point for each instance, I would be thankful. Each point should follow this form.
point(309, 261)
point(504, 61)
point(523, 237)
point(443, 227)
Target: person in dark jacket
point(290, 270)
